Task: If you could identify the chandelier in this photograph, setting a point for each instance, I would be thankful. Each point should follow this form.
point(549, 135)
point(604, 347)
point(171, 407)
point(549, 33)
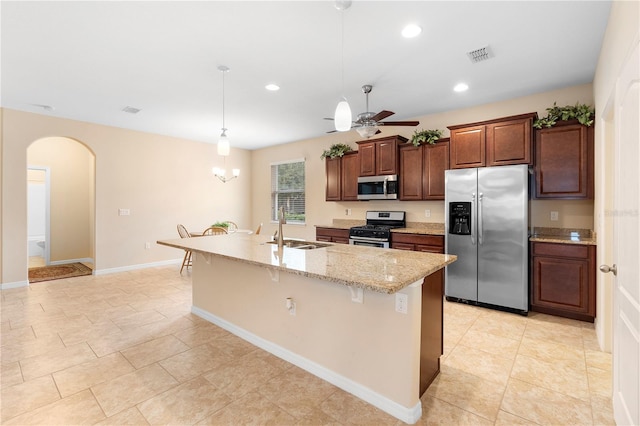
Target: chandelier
point(223, 142)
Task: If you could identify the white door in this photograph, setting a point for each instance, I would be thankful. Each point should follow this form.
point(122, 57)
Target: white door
point(626, 305)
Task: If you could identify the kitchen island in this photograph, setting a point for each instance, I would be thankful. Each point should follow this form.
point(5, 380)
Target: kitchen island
point(337, 311)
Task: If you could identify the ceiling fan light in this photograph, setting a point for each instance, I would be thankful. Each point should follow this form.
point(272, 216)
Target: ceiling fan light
point(367, 131)
point(342, 117)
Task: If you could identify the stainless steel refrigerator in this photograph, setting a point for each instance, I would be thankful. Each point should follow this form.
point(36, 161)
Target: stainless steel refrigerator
point(486, 226)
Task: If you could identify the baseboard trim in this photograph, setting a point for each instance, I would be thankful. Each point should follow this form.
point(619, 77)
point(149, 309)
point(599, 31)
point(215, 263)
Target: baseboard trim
point(136, 267)
point(67, 261)
point(16, 284)
point(407, 414)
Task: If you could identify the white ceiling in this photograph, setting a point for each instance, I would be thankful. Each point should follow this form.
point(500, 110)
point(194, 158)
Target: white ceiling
point(89, 60)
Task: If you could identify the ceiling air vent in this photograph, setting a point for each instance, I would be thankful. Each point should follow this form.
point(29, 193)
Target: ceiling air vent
point(131, 110)
point(480, 55)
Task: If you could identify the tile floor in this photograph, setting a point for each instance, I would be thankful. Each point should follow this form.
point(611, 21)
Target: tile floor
point(125, 349)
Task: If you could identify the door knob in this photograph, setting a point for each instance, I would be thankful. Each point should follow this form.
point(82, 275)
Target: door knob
point(607, 268)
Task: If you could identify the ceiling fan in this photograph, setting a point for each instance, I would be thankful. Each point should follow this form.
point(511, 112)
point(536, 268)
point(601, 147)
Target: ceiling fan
point(367, 122)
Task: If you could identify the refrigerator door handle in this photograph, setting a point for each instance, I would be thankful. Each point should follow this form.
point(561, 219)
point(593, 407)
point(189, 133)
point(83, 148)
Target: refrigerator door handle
point(473, 228)
point(480, 231)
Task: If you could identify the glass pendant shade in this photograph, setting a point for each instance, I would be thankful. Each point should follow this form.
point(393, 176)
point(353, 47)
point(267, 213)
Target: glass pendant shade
point(223, 145)
point(342, 117)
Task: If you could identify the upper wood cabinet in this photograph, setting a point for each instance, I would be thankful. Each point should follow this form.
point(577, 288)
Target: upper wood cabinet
point(422, 171)
point(342, 177)
point(435, 161)
point(564, 161)
point(333, 169)
point(411, 172)
point(349, 176)
point(379, 156)
point(498, 142)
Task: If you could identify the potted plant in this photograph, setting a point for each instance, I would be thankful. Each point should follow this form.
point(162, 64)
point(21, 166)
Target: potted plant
point(425, 136)
point(581, 112)
point(221, 224)
point(335, 150)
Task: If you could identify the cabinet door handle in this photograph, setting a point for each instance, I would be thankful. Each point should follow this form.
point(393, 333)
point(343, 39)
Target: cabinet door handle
point(606, 268)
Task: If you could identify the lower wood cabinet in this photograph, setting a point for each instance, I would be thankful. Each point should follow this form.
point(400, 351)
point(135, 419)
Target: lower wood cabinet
point(332, 235)
point(563, 280)
point(418, 242)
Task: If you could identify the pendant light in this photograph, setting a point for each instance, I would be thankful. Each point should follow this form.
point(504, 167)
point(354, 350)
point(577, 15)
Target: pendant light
point(342, 116)
point(223, 142)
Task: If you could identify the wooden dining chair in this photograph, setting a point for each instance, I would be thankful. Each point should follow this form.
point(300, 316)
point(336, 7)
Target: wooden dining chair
point(258, 229)
point(182, 231)
point(233, 227)
point(214, 230)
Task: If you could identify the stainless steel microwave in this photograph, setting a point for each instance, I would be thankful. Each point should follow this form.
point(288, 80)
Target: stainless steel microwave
point(378, 187)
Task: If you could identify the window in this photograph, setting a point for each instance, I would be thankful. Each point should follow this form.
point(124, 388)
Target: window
point(287, 190)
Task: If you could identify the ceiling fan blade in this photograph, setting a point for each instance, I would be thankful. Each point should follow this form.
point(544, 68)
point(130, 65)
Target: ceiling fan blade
point(327, 118)
point(332, 131)
point(400, 123)
point(382, 115)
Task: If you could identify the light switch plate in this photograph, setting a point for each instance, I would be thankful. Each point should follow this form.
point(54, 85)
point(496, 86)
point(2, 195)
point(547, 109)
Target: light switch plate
point(554, 216)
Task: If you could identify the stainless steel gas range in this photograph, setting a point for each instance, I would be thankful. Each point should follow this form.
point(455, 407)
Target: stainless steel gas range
point(377, 231)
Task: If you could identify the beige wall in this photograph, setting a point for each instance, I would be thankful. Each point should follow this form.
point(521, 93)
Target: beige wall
point(578, 214)
point(623, 29)
point(162, 180)
point(71, 165)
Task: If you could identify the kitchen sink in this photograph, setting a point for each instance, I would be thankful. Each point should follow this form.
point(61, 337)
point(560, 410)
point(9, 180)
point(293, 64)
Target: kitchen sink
point(301, 245)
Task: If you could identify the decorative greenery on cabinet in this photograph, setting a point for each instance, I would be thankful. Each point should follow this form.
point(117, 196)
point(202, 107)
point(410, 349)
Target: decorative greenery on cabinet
point(335, 150)
point(581, 112)
point(425, 136)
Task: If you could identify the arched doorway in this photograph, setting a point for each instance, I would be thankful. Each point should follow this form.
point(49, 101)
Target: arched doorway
point(71, 194)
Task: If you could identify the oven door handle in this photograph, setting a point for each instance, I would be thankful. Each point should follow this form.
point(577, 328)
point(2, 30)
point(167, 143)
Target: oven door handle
point(375, 240)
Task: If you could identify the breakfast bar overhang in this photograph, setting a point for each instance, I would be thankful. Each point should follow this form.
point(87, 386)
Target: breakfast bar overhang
point(337, 311)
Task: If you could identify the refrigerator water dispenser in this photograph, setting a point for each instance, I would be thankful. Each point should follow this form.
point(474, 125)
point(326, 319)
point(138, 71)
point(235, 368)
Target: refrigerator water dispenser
point(460, 218)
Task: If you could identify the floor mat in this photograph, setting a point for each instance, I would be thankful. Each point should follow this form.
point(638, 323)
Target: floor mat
point(57, 272)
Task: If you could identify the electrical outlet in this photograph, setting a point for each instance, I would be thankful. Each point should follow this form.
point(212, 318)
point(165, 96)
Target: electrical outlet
point(147, 245)
point(554, 216)
point(347, 212)
point(124, 212)
point(402, 302)
point(427, 213)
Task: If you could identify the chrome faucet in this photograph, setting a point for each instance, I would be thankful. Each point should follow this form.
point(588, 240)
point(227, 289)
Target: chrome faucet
point(281, 221)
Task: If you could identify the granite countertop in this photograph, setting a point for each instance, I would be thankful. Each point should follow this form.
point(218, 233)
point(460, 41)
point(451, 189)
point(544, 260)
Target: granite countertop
point(563, 236)
point(424, 228)
point(380, 270)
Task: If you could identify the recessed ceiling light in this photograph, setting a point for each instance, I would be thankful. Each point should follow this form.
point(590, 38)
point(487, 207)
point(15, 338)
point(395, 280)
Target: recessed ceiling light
point(411, 31)
point(461, 87)
point(272, 87)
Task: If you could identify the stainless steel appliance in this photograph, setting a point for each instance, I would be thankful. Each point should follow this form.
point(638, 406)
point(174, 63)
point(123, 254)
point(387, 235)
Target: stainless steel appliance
point(377, 231)
point(378, 187)
point(486, 223)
